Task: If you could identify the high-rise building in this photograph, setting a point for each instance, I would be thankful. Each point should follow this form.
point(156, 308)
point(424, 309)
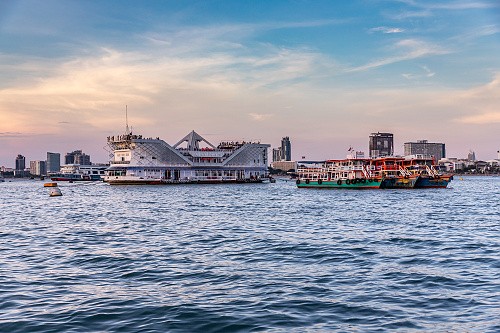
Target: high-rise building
point(381, 144)
point(276, 154)
point(286, 149)
point(37, 168)
point(425, 148)
point(20, 162)
point(283, 153)
point(77, 157)
point(53, 162)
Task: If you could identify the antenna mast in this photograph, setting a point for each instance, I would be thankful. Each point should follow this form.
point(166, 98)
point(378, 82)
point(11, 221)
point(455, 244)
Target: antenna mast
point(127, 131)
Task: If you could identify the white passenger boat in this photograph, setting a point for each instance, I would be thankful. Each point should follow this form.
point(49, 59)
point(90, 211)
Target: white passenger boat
point(139, 160)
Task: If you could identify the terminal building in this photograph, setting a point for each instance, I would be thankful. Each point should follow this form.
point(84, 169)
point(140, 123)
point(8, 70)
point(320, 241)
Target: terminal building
point(426, 149)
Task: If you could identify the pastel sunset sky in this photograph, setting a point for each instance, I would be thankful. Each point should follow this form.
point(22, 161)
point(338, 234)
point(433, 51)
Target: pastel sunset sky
point(324, 73)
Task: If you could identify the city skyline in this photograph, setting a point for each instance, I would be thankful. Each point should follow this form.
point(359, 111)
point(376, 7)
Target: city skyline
point(325, 74)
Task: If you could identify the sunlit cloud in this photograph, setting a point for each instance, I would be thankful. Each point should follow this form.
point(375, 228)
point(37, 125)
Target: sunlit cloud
point(260, 117)
point(480, 119)
point(10, 134)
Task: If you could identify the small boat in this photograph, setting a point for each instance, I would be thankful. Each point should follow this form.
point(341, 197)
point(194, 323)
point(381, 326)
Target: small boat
point(77, 172)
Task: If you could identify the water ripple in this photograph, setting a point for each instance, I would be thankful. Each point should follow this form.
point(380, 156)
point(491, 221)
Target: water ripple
point(249, 258)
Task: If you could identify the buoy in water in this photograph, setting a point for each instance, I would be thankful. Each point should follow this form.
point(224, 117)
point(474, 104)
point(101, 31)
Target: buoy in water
point(55, 192)
point(50, 185)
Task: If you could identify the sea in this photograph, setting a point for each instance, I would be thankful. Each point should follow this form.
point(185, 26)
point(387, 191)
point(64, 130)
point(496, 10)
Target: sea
point(249, 258)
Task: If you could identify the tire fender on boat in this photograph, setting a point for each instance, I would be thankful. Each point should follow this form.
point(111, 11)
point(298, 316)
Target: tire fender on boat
point(320, 182)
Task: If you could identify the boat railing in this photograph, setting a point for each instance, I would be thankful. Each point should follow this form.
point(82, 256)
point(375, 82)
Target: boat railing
point(367, 173)
point(404, 171)
point(431, 171)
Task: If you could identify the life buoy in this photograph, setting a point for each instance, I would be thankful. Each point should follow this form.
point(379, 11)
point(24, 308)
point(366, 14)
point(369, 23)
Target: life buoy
point(307, 181)
point(339, 182)
point(320, 182)
point(298, 181)
point(347, 181)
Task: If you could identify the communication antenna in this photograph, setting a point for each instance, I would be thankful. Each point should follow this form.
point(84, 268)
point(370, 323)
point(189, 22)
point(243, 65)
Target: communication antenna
point(127, 131)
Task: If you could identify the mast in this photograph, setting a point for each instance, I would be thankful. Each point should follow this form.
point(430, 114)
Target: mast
point(127, 131)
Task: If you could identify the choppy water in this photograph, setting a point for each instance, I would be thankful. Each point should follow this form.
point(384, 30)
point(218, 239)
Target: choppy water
point(238, 258)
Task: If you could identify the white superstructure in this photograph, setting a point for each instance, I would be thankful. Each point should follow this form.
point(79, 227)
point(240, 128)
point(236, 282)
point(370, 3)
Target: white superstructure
point(138, 160)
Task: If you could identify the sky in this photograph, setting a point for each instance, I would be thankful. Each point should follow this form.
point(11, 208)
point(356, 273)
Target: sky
point(324, 73)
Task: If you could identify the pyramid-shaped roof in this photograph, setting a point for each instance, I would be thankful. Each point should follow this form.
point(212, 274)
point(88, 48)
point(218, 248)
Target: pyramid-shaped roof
point(193, 140)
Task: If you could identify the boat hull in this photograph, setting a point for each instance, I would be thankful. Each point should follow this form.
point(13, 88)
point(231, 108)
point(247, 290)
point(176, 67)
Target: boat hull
point(343, 184)
point(433, 182)
point(176, 182)
point(399, 182)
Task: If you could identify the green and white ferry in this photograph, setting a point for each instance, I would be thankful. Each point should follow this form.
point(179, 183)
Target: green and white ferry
point(349, 173)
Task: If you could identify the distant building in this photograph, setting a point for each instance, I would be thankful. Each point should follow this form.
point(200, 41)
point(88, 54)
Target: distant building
point(283, 153)
point(77, 157)
point(381, 144)
point(276, 154)
point(425, 148)
point(286, 149)
point(471, 156)
point(20, 163)
point(284, 165)
point(53, 162)
point(38, 168)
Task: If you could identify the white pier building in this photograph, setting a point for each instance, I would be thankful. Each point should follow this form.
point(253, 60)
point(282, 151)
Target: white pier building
point(138, 160)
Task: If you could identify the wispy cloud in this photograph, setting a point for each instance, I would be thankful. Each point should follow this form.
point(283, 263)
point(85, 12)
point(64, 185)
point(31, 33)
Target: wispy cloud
point(459, 5)
point(10, 134)
point(474, 33)
point(453, 4)
point(260, 117)
point(482, 103)
point(412, 76)
point(409, 49)
point(421, 9)
point(480, 119)
point(386, 30)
